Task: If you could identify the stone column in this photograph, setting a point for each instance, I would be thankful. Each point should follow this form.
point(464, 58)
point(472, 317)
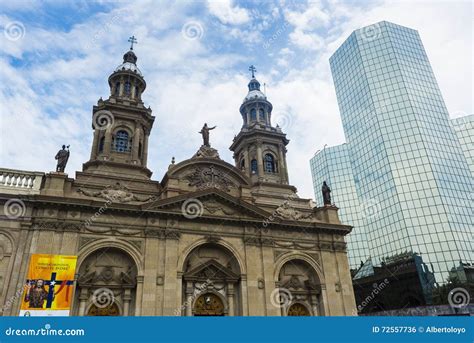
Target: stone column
point(127, 297)
point(314, 304)
point(230, 299)
point(121, 86)
point(247, 160)
point(170, 300)
point(268, 271)
point(108, 141)
point(189, 299)
point(283, 170)
point(139, 296)
point(324, 309)
point(95, 144)
point(145, 148)
point(136, 142)
point(261, 171)
point(83, 297)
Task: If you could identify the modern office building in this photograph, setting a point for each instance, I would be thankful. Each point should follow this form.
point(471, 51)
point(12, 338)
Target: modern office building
point(464, 128)
point(333, 165)
point(406, 160)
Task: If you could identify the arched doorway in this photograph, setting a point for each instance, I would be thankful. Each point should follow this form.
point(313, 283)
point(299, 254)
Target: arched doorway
point(211, 282)
point(111, 310)
point(300, 289)
point(298, 310)
point(106, 284)
point(208, 304)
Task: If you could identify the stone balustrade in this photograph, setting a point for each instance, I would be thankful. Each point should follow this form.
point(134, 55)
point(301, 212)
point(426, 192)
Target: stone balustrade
point(14, 181)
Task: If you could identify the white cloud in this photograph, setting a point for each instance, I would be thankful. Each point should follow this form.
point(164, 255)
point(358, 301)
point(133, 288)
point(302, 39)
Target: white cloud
point(48, 101)
point(227, 13)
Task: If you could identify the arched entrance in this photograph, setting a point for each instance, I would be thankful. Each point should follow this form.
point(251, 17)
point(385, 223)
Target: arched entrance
point(111, 310)
point(208, 304)
point(211, 282)
point(106, 284)
point(298, 310)
point(300, 289)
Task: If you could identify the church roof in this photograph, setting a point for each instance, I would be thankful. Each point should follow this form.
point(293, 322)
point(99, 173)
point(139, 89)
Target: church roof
point(129, 63)
point(255, 94)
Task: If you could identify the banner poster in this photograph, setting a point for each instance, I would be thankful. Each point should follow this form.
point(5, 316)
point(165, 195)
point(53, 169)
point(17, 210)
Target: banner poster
point(49, 286)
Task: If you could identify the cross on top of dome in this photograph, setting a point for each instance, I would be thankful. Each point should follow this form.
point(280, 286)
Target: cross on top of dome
point(253, 70)
point(132, 40)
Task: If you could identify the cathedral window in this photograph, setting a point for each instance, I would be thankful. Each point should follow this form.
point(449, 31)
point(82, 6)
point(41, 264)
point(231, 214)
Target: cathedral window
point(253, 114)
point(261, 115)
point(117, 89)
point(242, 164)
point(121, 141)
point(101, 144)
point(269, 164)
point(127, 88)
point(253, 166)
point(137, 92)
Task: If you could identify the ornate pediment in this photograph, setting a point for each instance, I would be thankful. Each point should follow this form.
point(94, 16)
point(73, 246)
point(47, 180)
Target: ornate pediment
point(211, 270)
point(203, 177)
point(210, 203)
point(115, 193)
point(286, 211)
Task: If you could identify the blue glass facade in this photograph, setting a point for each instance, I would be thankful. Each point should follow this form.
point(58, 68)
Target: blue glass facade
point(412, 179)
point(333, 165)
point(464, 128)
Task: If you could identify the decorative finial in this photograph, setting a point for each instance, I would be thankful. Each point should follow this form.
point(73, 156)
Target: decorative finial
point(132, 41)
point(172, 160)
point(253, 70)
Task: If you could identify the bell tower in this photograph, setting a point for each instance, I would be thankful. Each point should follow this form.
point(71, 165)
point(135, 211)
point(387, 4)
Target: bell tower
point(259, 148)
point(122, 124)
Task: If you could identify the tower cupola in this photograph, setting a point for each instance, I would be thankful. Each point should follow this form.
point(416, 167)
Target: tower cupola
point(127, 82)
point(260, 149)
point(255, 109)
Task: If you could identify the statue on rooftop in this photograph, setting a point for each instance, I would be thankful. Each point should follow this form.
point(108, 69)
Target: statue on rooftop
point(326, 194)
point(62, 156)
point(205, 134)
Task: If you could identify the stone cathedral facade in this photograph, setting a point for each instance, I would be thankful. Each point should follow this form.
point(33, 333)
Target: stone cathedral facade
point(209, 238)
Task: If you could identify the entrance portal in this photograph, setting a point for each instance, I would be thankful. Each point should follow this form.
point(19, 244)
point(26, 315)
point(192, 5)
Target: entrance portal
point(111, 310)
point(209, 304)
point(298, 310)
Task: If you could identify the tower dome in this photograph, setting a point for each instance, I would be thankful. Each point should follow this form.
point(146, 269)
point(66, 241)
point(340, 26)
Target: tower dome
point(255, 109)
point(127, 82)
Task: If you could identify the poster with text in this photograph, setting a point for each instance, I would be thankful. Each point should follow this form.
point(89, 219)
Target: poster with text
point(49, 285)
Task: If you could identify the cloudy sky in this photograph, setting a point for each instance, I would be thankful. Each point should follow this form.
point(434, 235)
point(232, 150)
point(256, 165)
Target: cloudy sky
point(56, 57)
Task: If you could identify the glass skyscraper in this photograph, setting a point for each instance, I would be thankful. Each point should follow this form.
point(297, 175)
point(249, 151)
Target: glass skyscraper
point(333, 165)
point(407, 162)
point(464, 128)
